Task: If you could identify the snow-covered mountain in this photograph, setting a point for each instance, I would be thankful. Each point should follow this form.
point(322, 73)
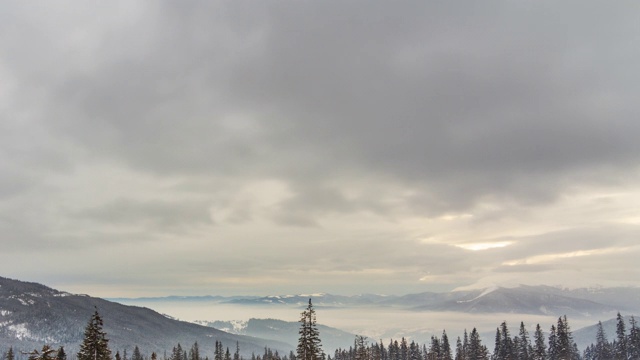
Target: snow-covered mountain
point(32, 315)
point(540, 300)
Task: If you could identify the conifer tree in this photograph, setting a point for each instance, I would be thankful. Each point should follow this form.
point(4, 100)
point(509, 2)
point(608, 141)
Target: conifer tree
point(10, 355)
point(553, 344)
point(633, 340)
point(602, 345)
point(459, 350)
point(620, 351)
point(217, 353)
point(194, 352)
point(309, 346)
point(136, 354)
point(445, 347)
point(236, 355)
point(45, 354)
point(95, 345)
point(565, 346)
point(476, 350)
point(522, 348)
point(61, 355)
point(539, 349)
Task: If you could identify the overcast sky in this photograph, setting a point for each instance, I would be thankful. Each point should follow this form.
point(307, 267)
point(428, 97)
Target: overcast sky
point(272, 147)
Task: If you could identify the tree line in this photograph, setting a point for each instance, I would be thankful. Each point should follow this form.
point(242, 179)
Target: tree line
point(558, 344)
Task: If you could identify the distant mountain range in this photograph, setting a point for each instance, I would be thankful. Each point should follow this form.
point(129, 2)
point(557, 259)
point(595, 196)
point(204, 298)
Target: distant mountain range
point(539, 300)
point(32, 315)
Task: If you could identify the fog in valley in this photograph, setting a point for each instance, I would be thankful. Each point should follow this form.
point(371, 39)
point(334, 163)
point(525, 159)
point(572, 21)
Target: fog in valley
point(375, 322)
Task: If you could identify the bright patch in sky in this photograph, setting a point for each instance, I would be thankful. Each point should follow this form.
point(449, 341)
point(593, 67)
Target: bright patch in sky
point(484, 246)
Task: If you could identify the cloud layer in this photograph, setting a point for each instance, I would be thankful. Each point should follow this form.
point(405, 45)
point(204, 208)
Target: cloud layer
point(226, 147)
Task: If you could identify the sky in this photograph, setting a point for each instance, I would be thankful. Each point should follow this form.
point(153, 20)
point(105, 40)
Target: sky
point(152, 148)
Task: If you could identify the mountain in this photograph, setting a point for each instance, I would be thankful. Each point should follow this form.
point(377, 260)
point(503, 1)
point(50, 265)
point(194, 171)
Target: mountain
point(522, 300)
point(319, 300)
point(540, 300)
point(283, 331)
point(32, 315)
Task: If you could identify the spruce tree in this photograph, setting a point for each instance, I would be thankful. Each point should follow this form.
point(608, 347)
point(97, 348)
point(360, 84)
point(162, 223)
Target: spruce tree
point(95, 345)
point(459, 351)
point(47, 353)
point(10, 355)
point(309, 347)
point(445, 347)
point(522, 349)
point(136, 354)
point(539, 349)
point(602, 345)
point(633, 340)
point(476, 350)
point(620, 351)
point(553, 344)
point(61, 354)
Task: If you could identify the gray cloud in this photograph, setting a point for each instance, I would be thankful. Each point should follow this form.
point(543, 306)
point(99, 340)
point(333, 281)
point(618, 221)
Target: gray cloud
point(278, 122)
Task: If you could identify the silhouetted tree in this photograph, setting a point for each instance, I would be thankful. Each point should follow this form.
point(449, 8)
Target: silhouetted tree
point(95, 345)
point(309, 346)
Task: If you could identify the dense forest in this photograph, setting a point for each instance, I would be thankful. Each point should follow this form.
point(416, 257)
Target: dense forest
point(556, 344)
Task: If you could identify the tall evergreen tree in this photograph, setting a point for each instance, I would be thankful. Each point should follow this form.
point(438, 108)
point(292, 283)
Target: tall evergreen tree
point(477, 351)
point(47, 353)
point(136, 354)
point(61, 355)
point(459, 350)
point(620, 351)
point(602, 351)
point(236, 355)
point(194, 352)
point(553, 344)
point(539, 348)
point(633, 340)
point(218, 352)
point(566, 348)
point(309, 346)
point(95, 345)
point(445, 347)
point(522, 349)
point(10, 355)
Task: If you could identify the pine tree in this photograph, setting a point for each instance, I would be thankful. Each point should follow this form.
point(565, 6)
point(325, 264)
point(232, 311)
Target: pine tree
point(522, 348)
point(61, 355)
point(194, 352)
point(10, 355)
point(45, 354)
point(136, 354)
point(476, 350)
point(539, 350)
point(633, 340)
point(553, 344)
point(95, 345)
point(217, 353)
point(445, 347)
point(565, 346)
point(309, 347)
point(602, 345)
point(620, 351)
point(459, 350)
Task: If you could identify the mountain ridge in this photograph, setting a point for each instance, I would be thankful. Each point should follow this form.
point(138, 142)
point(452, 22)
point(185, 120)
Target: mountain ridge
point(32, 314)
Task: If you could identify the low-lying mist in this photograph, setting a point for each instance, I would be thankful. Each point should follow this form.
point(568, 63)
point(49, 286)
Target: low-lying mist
point(375, 322)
